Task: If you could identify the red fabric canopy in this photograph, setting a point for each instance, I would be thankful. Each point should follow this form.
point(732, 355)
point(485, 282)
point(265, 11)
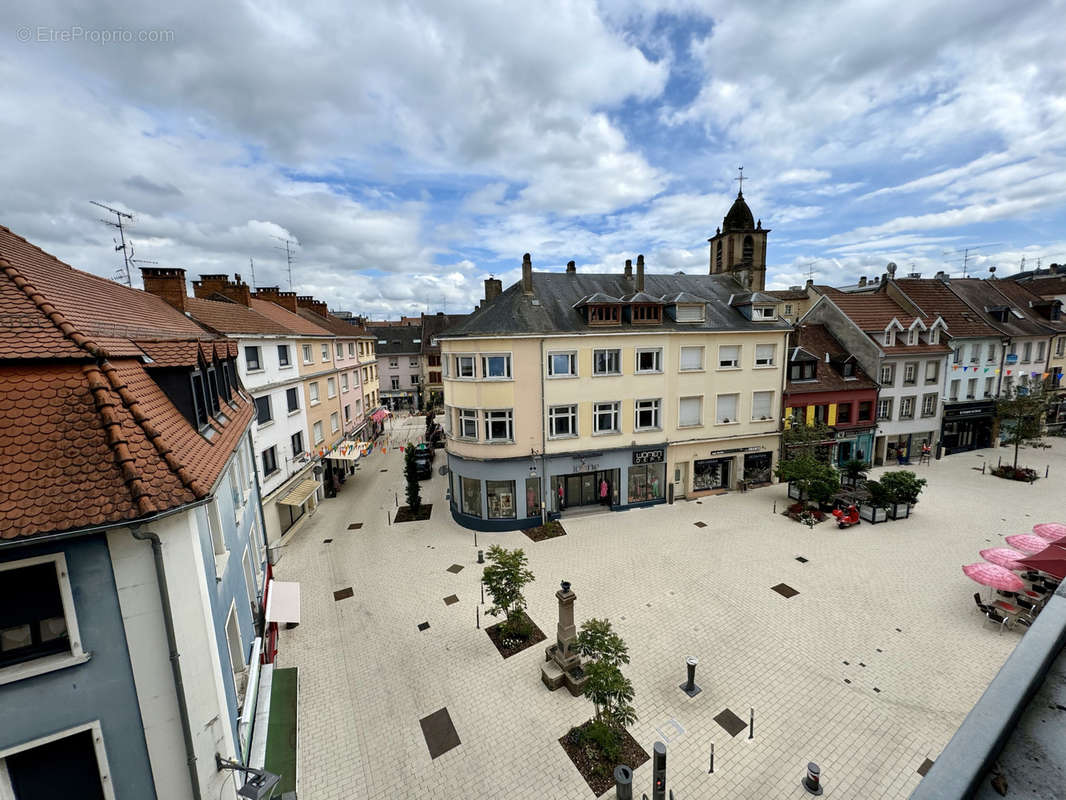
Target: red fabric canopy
point(1052, 561)
point(994, 575)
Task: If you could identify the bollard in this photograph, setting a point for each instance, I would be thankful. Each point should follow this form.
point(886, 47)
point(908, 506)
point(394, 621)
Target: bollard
point(710, 771)
point(481, 556)
point(690, 688)
point(813, 782)
point(671, 794)
point(475, 538)
point(483, 594)
point(477, 616)
point(1047, 470)
point(388, 518)
point(623, 783)
point(658, 773)
point(775, 506)
point(751, 725)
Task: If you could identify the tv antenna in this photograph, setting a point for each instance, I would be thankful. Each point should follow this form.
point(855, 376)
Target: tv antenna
point(251, 266)
point(289, 257)
point(966, 253)
point(127, 254)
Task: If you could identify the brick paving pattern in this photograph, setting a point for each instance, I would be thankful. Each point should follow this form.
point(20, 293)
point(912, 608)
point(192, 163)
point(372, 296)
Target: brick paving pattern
point(889, 596)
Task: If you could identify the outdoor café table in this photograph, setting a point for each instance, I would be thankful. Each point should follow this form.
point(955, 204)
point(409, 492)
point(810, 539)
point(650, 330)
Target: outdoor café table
point(1006, 607)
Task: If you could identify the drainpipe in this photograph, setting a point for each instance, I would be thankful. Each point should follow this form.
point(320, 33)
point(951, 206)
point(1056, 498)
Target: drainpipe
point(172, 644)
point(543, 445)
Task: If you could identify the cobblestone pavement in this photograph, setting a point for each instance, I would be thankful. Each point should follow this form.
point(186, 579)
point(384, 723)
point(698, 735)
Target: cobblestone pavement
point(867, 671)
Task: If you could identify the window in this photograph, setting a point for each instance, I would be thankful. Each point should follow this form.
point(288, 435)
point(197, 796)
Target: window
point(884, 409)
point(993, 353)
point(249, 580)
point(434, 377)
point(605, 418)
point(292, 400)
point(499, 495)
point(236, 650)
point(650, 360)
point(865, 407)
point(727, 408)
point(912, 336)
point(394, 362)
point(471, 496)
point(975, 353)
point(934, 335)
point(562, 421)
point(317, 431)
point(262, 410)
point(910, 371)
point(313, 389)
point(691, 359)
point(971, 388)
point(415, 379)
point(464, 366)
point(647, 415)
point(763, 312)
point(468, 423)
point(762, 405)
point(199, 399)
point(906, 408)
point(889, 338)
point(499, 426)
point(283, 355)
point(802, 371)
point(729, 356)
point(307, 353)
point(297, 443)
point(690, 313)
point(604, 315)
point(334, 422)
point(764, 355)
point(956, 355)
point(325, 352)
point(497, 367)
point(1013, 348)
point(37, 618)
point(932, 371)
point(344, 381)
point(331, 387)
point(988, 387)
point(843, 413)
point(644, 314)
point(351, 349)
point(214, 524)
point(395, 382)
point(1027, 351)
point(270, 461)
point(562, 365)
point(847, 369)
point(1039, 351)
point(606, 362)
point(788, 309)
point(690, 412)
point(251, 359)
point(434, 361)
point(1060, 346)
point(953, 391)
point(413, 362)
point(928, 405)
point(347, 412)
point(888, 374)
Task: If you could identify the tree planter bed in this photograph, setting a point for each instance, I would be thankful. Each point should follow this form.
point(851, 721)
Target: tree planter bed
point(549, 531)
point(592, 764)
point(508, 647)
point(873, 514)
point(1023, 474)
point(404, 513)
point(899, 511)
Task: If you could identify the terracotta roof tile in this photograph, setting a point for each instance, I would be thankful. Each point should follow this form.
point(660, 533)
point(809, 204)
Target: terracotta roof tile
point(334, 325)
point(936, 299)
point(874, 311)
point(228, 317)
point(818, 341)
point(285, 317)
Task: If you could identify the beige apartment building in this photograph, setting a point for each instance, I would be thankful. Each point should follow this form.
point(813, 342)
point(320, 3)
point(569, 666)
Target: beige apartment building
point(625, 390)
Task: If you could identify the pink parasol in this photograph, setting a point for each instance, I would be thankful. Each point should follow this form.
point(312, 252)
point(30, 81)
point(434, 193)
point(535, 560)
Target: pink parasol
point(1026, 542)
point(1003, 556)
point(1051, 531)
point(994, 576)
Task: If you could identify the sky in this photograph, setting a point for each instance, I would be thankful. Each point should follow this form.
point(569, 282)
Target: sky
point(414, 149)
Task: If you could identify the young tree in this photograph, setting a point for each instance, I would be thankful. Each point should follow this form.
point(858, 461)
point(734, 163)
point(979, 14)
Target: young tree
point(610, 691)
point(819, 481)
point(1021, 417)
point(504, 578)
point(597, 641)
point(803, 439)
point(410, 471)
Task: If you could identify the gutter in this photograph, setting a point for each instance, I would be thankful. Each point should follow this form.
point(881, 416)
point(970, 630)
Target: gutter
point(175, 662)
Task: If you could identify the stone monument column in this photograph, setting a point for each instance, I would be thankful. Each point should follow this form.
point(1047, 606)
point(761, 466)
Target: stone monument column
point(566, 633)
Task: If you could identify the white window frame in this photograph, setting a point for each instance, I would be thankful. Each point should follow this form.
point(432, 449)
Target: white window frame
point(312, 391)
point(699, 412)
point(788, 309)
point(572, 358)
point(102, 767)
point(277, 467)
point(658, 353)
point(75, 655)
point(1039, 352)
point(338, 349)
point(993, 353)
point(611, 351)
point(258, 358)
point(656, 407)
point(763, 313)
point(770, 408)
point(242, 666)
point(287, 364)
point(887, 401)
point(334, 422)
point(953, 389)
point(718, 417)
point(316, 432)
point(557, 413)
point(615, 410)
point(459, 360)
point(467, 415)
point(935, 367)
point(489, 419)
point(485, 367)
point(325, 352)
point(331, 388)
point(929, 399)
point(891, 380)
point(308, 353)
point(912, 367)
point(681, 358)
point(733, 363)
point(903, 406)
point(344, 381)
point(767, 363)
point(249, 577)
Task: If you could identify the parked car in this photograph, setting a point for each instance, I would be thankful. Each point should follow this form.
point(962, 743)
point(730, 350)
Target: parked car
point(436, 437)
point(423, 461)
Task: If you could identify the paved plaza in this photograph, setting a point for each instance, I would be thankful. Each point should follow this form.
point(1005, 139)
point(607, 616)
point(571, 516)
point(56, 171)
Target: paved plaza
point(867, 671)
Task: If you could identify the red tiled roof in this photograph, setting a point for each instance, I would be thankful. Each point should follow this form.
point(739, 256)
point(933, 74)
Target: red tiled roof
point(228, 317)
point(334, 325)
point(936, 299)
point(86, 436)
point(874, 311)
point(818, 341)
point(283, 316)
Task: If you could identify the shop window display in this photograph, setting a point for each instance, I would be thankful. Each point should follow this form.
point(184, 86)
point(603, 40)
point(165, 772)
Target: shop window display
point(500, 497)
point(711, 473)
point(532, 497)
point(757, 467)
point(646, 482)
point(471, 496)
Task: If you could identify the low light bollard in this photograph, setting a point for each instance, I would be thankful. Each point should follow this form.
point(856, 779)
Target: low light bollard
point(623, 783)
point(813, 782)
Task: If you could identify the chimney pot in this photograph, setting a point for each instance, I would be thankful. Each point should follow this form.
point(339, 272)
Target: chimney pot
point(640, 273)
point(862, 281)
point(571, 268)
point(527, 274)
point(810, 283)
point(493, 288)
point(629, 268)
point(167, 283)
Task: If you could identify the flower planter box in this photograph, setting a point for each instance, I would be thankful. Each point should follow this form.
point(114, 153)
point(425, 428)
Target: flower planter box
point(899, 511)
point(795, 493)
point(873, 514)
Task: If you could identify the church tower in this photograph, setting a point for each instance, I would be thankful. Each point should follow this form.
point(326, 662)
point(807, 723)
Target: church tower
point(738, 248)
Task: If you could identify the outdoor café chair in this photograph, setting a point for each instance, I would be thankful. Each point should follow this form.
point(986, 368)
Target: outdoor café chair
point(980, 606)
point(999, 619)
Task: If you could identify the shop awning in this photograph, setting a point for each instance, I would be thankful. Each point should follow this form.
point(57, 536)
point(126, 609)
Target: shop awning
point(283, 602)
point(345, 451)
point(380, 414)
point(299, 495)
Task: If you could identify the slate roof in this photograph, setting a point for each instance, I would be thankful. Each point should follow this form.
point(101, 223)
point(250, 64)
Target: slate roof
point(514, 312)
point(87, 437)
point(935, 298)
point(747, 298)
point(433, 325)
point(399, 340)
point(739, 217)
point(788, 294)
point(818, 341)
point(1025, 298)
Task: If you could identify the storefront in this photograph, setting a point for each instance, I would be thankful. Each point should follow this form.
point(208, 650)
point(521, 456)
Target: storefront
point(710, 469)
point(854, 444)
point(907, 446)
point(967, 426)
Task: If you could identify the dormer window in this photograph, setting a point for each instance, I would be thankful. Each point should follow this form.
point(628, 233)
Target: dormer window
point(890, 338)
point(912, 336)
point(691, 313)
point(802, 370)
point(848, 369)
point(605, 315)
point(763, 312)
point(647, 314)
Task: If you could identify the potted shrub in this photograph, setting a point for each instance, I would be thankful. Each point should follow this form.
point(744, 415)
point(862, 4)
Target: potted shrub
point(853, 472)
point(875, 508)
point(809, 480)
point(903, 488)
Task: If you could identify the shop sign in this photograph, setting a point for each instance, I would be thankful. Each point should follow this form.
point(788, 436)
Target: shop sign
point(753, 449)
point(649, 456)
point(1012, 358)
point(581, 466)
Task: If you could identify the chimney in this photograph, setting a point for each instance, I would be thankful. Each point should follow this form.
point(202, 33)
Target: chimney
point(640, 273)
point(809, 284)
point(942, 276)
point(862, 281)
point(167, 283)
point(877, 279)
point(236, 291)
point(271, 294)
point(571, 268)
point(629, 269)
point(493, 287)
point(308, 302)
point(527, 274)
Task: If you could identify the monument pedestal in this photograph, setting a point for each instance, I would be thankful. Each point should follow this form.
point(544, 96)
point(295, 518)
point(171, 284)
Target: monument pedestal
point(562, 662)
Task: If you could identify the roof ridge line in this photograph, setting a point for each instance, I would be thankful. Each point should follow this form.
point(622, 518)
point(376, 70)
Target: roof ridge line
point(49, 311)
point(151, 433)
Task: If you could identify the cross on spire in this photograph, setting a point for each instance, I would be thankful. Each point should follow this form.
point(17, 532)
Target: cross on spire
point(741, 180)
